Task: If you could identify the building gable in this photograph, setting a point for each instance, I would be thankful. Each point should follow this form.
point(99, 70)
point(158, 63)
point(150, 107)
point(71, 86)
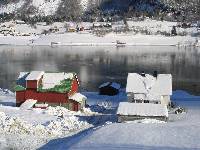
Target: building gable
point(149, 85)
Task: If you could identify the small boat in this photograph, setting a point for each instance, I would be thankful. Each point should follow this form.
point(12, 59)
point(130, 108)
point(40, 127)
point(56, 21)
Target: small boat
point(55, 43)
point(119, 43)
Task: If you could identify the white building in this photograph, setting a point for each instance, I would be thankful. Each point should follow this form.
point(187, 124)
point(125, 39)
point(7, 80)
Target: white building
point(135, 111)
point(149, 89)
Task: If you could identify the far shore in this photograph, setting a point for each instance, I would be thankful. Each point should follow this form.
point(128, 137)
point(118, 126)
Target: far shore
point(112, 39)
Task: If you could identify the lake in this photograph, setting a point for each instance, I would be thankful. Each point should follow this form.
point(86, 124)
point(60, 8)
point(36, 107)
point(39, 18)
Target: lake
point(95, 65)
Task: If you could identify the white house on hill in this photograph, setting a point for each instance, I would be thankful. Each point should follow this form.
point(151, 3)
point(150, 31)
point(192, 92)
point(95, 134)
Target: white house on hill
point(149, 89)
point(148, 97)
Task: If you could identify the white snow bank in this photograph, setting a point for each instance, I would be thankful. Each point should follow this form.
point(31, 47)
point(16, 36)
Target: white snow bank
point(59, 127)
point(61, 111)
point(146, 121)
point(5, 92)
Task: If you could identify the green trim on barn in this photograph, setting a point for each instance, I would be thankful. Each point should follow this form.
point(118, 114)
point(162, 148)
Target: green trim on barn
point(19, 88)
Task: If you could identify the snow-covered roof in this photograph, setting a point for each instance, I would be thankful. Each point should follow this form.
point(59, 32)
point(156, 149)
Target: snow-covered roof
point(28, 104)
point(139, 84)
point(22, 75)
point(162, 85)
point(142, 109)
point(78, 97)
point(112, 84)
point(115, 85)
point(35, 75)
point(104, 84)
point(50, 80)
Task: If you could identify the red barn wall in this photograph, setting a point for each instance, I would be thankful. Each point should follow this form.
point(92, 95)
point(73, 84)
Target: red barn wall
point(49, 97)
point(20, 97)
point(31, 84)
point(74, 88)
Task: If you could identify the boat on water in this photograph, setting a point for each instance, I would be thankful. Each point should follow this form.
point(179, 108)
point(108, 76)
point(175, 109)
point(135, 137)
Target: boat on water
point(55, 43)
point(119, 43)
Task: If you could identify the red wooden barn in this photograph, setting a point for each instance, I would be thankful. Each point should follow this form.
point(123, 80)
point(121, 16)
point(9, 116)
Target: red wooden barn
point(50, 88)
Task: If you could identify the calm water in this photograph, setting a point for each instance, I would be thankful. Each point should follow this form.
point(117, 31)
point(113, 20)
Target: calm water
point(95, 65)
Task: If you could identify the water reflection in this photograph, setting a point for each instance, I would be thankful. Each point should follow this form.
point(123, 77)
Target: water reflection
point(95, 65)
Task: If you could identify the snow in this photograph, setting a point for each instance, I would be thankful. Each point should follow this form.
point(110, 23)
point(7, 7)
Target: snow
point(181, 132)
point(105, 101)
point(50, 80)
point(78, 97)
point(135, 84)
point(32, 128)
point(46, 7)
point(84, 4)
point(163, 85)
point(104, 84)
point(22, 74)
point(142, 109)
point(28, 104)
point(58, 128)
point(86, 38)
point(146, 121)
point(35, 75)
point(61, 111)
point(41, 105)
point(5, 92)
point(11, 7)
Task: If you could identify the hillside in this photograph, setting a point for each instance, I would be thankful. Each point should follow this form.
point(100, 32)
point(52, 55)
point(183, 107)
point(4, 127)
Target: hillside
point(76, 9)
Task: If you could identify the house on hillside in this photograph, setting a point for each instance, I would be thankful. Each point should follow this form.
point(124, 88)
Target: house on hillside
point(50, 88)
point(109, 88)
point(148, 97)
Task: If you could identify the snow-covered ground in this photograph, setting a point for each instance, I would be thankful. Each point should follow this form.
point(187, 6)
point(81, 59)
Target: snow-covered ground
point(59, 128)
point(22, 128)
point(136, 35)
point(181, 132)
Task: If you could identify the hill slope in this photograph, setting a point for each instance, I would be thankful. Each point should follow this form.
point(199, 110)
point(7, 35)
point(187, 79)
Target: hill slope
point(76, 8)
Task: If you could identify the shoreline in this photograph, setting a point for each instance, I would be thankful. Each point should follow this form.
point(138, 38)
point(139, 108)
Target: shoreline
point(112, 39)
